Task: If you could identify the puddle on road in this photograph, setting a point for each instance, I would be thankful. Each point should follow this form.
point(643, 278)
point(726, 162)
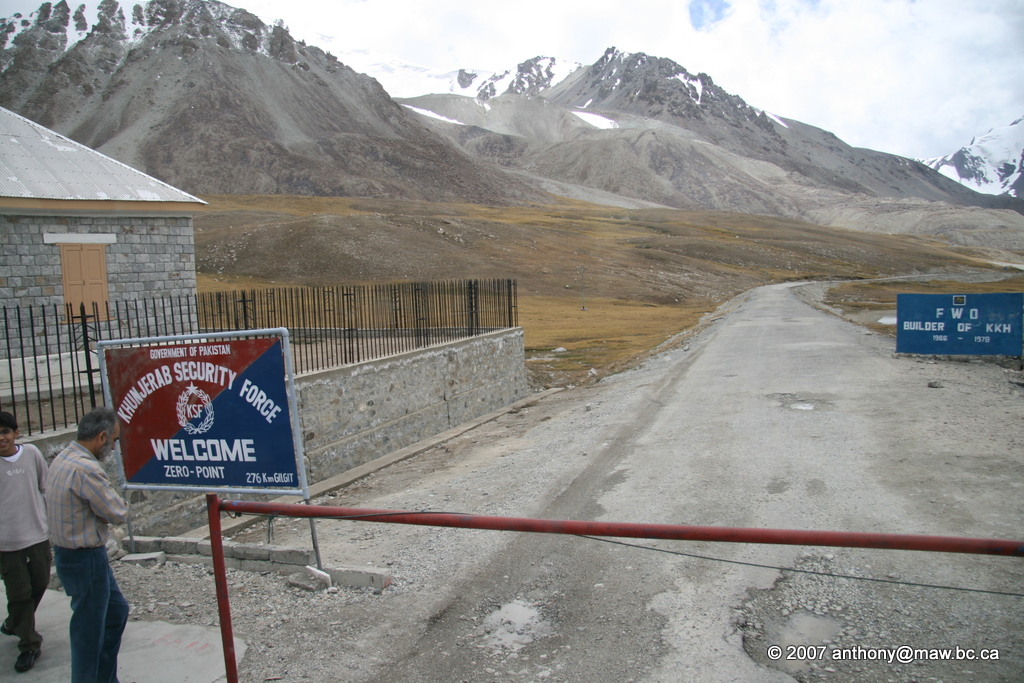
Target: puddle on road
point(793, 635)
point(878, 316)
point(797, 402)
point(514, 626)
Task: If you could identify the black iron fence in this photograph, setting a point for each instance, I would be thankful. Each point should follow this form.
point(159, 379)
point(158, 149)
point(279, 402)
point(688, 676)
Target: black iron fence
point(49, 369)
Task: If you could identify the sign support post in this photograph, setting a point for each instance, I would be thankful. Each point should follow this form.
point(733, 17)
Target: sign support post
point(220, 578)
point(297, 443)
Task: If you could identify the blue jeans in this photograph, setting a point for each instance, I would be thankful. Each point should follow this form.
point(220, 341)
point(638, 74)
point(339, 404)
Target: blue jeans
point(99, 612)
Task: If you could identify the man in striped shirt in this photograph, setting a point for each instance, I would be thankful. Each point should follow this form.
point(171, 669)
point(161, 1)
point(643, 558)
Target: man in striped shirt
point(80, 503)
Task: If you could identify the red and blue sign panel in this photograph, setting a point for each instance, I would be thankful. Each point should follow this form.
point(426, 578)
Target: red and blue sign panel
point(959, 324)
point(212, 414)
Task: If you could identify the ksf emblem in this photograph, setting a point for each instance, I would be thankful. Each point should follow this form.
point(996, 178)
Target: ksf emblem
point(194, 403)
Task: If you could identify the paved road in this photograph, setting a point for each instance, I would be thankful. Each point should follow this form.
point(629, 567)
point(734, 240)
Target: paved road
point(777, 415)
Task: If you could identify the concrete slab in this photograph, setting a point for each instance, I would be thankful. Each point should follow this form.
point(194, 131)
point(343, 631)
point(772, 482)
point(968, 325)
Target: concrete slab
point(151, 651)
point(145, 559)
point(359, 577)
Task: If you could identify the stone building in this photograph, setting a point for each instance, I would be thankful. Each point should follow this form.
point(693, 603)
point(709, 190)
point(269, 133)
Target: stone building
point(77, 226)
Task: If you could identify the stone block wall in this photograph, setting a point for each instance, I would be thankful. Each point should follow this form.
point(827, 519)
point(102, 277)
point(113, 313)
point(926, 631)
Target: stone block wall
point(354, 414)
point(150, 256)
point(357, 413)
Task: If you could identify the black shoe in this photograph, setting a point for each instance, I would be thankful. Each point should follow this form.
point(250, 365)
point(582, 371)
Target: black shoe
point(4, 630)
point(26, 660)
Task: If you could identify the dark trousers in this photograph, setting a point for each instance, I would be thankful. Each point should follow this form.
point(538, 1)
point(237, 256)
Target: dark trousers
point(99, 612)
point(26, 575)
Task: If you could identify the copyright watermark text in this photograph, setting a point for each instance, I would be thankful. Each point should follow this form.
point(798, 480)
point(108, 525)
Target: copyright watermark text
point(903, 654)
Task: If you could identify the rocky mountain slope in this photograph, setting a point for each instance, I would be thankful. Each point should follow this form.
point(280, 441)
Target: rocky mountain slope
point(992, 163)
point(210, 99)
point(644, 130)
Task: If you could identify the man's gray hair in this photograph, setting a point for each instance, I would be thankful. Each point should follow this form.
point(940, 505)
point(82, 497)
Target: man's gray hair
point(99, 419)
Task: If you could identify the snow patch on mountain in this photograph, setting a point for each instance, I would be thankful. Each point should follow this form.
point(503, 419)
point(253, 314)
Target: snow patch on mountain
point(433, 115)
point(74, 29)
point(244, 30)
point(773, 117)
point(596, 120)
point(991, 163)
point(530, 77)
point(404, 79)
point(78, 28)
point(690, 79)
point(401, 78)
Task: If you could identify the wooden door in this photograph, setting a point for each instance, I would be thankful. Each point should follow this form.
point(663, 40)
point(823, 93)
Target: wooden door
point(84, 270)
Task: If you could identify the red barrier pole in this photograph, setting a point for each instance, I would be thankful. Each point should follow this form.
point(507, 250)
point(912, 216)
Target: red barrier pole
point(841, 539)
point(213, 507)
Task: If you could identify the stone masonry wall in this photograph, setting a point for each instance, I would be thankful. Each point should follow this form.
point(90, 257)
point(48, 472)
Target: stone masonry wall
point(358, 413)
point(152, 256)
point(354, 414)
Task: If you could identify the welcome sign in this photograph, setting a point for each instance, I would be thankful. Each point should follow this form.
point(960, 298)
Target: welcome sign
point(211, 413)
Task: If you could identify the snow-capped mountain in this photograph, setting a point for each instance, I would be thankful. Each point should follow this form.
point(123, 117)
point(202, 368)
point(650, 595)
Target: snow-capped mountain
point(212, 99)
point(405, 79)
point(993, 163)
point(64, 28)
point(53, 26)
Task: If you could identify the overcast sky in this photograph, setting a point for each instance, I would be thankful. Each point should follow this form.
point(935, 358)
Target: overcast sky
point(913, 78)
point(917, 78)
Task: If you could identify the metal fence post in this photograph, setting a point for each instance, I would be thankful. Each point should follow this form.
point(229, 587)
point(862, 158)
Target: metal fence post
point(512, 304)
point(89, 371)
point(420, 306)
point(245, 313)
point(472, 307)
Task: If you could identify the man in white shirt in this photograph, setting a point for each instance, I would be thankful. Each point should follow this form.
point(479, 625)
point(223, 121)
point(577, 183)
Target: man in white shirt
point(24, 540)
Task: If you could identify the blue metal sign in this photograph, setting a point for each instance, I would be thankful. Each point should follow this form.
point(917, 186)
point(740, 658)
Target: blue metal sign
point(959, 324)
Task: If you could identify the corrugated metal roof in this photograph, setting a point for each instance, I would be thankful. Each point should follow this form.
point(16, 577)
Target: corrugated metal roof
point(37, 163)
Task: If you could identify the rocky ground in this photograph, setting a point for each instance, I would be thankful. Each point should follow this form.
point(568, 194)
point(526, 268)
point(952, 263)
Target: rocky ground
point(855, 628)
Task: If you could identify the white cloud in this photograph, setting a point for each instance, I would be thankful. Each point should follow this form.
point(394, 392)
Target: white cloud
point(913, 78)
point(919, 78)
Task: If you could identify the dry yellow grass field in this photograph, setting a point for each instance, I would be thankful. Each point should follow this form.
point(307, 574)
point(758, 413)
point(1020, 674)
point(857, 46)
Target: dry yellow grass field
point(859, 299)
point(608, 336)
point(645, 276)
